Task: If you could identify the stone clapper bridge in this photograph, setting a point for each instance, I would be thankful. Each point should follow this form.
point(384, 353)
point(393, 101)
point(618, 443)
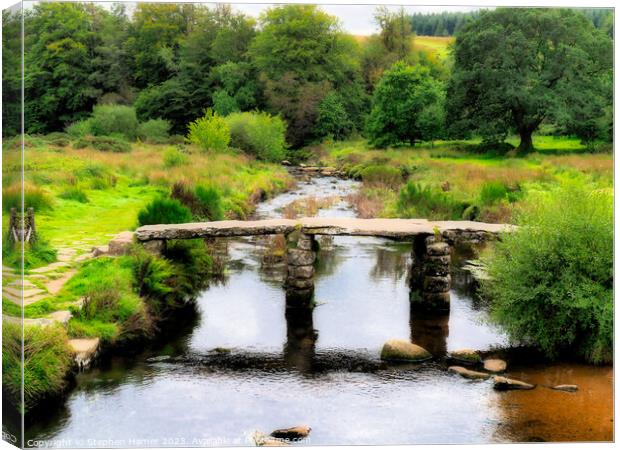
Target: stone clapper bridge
point(430, 280)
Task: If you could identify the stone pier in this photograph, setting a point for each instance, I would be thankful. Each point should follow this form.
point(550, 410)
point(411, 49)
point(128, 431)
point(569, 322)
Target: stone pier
point(300, 258)
point(430, 275)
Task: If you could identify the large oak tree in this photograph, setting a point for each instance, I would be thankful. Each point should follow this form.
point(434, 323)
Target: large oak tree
point(515, 68)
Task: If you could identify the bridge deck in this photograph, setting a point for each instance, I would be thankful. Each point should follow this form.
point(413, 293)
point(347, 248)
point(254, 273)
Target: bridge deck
point(388, 228)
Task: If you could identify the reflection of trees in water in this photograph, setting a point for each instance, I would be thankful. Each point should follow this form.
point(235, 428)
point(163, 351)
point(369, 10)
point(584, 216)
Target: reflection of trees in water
point(390, 263)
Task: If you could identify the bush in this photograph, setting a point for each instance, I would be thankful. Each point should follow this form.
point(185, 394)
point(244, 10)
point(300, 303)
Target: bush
point(164, 210)
point(114, 119)
point(154, 131)
point(258, 134)
point(420, 201)
point(104, 144)
point(79, 129)
point(551, 281)
point(75, 194)
point(47, 361)
point(173, 157)
point(150, 274)
point(205, 203)
point(34, 197)
point(36, 254)
point(382, 176)
point(210, 132)
point(58, 139)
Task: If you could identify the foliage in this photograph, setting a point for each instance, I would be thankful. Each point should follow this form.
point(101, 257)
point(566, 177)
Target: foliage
point(104, 143)
point(258, 134)
point(164, 210)
point(168, 101)
point(382, 175)
point(551, 281)
point(36, 254)
point(47, 360)
point(552, 60)
point(407, 107)
point(150, 274)
point(333, 119)
point(210, 132)
point(154, 131)
point(114, 120)
point(79, 129)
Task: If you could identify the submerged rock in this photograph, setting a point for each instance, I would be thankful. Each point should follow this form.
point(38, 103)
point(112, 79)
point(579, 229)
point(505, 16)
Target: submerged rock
point(566, 387)
point(158, 358)
point(495, 365)
point(508, 384)
point(400, 350)
point(466, 355)
point(470, 374)
point(293, 433)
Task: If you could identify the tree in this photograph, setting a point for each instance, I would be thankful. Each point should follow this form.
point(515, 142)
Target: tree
point(333, 119)
point(11, 73)
point(406, 106)
point(514, 68)
point(301, 54)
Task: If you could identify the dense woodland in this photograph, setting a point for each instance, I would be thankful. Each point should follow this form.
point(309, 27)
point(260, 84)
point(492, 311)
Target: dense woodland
point(548, 68)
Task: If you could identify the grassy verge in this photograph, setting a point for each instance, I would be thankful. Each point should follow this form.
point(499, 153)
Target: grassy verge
point(453, 180)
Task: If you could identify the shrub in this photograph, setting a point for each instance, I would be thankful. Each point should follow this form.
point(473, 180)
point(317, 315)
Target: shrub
point(58, 139)
point(420, 201)
point(74, 193)
point(380, 175)
point(34, 197)
point(80, 128)
point(114, 119)
point(258, 134)
point(210, 132)
point(173, 157)
point(154, 131)
point(47, 361)
point(150, 274)
point(36, 254)
point(551, 281)
point(164, 210)
point(104, 144)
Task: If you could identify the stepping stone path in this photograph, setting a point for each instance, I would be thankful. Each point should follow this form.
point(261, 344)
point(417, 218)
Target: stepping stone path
point(470, 374)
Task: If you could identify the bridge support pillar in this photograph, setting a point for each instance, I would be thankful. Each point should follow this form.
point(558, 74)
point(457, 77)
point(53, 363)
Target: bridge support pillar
point(300, 268)
point(157, 247)
point(430, 275)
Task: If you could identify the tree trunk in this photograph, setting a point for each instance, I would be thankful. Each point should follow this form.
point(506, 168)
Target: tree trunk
point(525, 146)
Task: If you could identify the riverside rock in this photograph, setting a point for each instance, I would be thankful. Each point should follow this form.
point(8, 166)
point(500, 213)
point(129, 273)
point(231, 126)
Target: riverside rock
point(509, 384)
point(495, 365)
point(466, 355)
point(401, 350)
point(470, 374)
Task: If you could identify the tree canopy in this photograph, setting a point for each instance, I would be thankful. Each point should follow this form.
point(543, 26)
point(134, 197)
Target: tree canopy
point(515, 68)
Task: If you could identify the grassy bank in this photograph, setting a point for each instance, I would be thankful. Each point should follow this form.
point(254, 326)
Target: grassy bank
point(456, 179)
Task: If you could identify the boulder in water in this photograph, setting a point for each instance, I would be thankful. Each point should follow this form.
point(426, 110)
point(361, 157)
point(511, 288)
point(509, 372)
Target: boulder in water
point(495, 365)
point(401, 350)
point(509, 384)
point(466, 355)
point(469, 374)
point(566, 387)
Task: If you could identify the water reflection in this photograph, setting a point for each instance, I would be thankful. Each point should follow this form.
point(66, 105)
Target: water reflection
point(430, 331)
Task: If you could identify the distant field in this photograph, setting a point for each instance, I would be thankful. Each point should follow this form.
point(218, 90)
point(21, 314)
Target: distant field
point(437, 45)
point(434, 45)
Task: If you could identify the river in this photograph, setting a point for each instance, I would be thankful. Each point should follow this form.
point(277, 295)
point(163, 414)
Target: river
point(241, 364)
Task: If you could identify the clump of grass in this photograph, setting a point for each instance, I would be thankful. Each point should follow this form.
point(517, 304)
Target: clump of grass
point(551, 281)
point(204, 201)
point(104, 144)
point(74, 193)
point(173, 157)
point(381, 176)
point(164, 210)
point(416, 200)
point(47, 360)
point(34, 197)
